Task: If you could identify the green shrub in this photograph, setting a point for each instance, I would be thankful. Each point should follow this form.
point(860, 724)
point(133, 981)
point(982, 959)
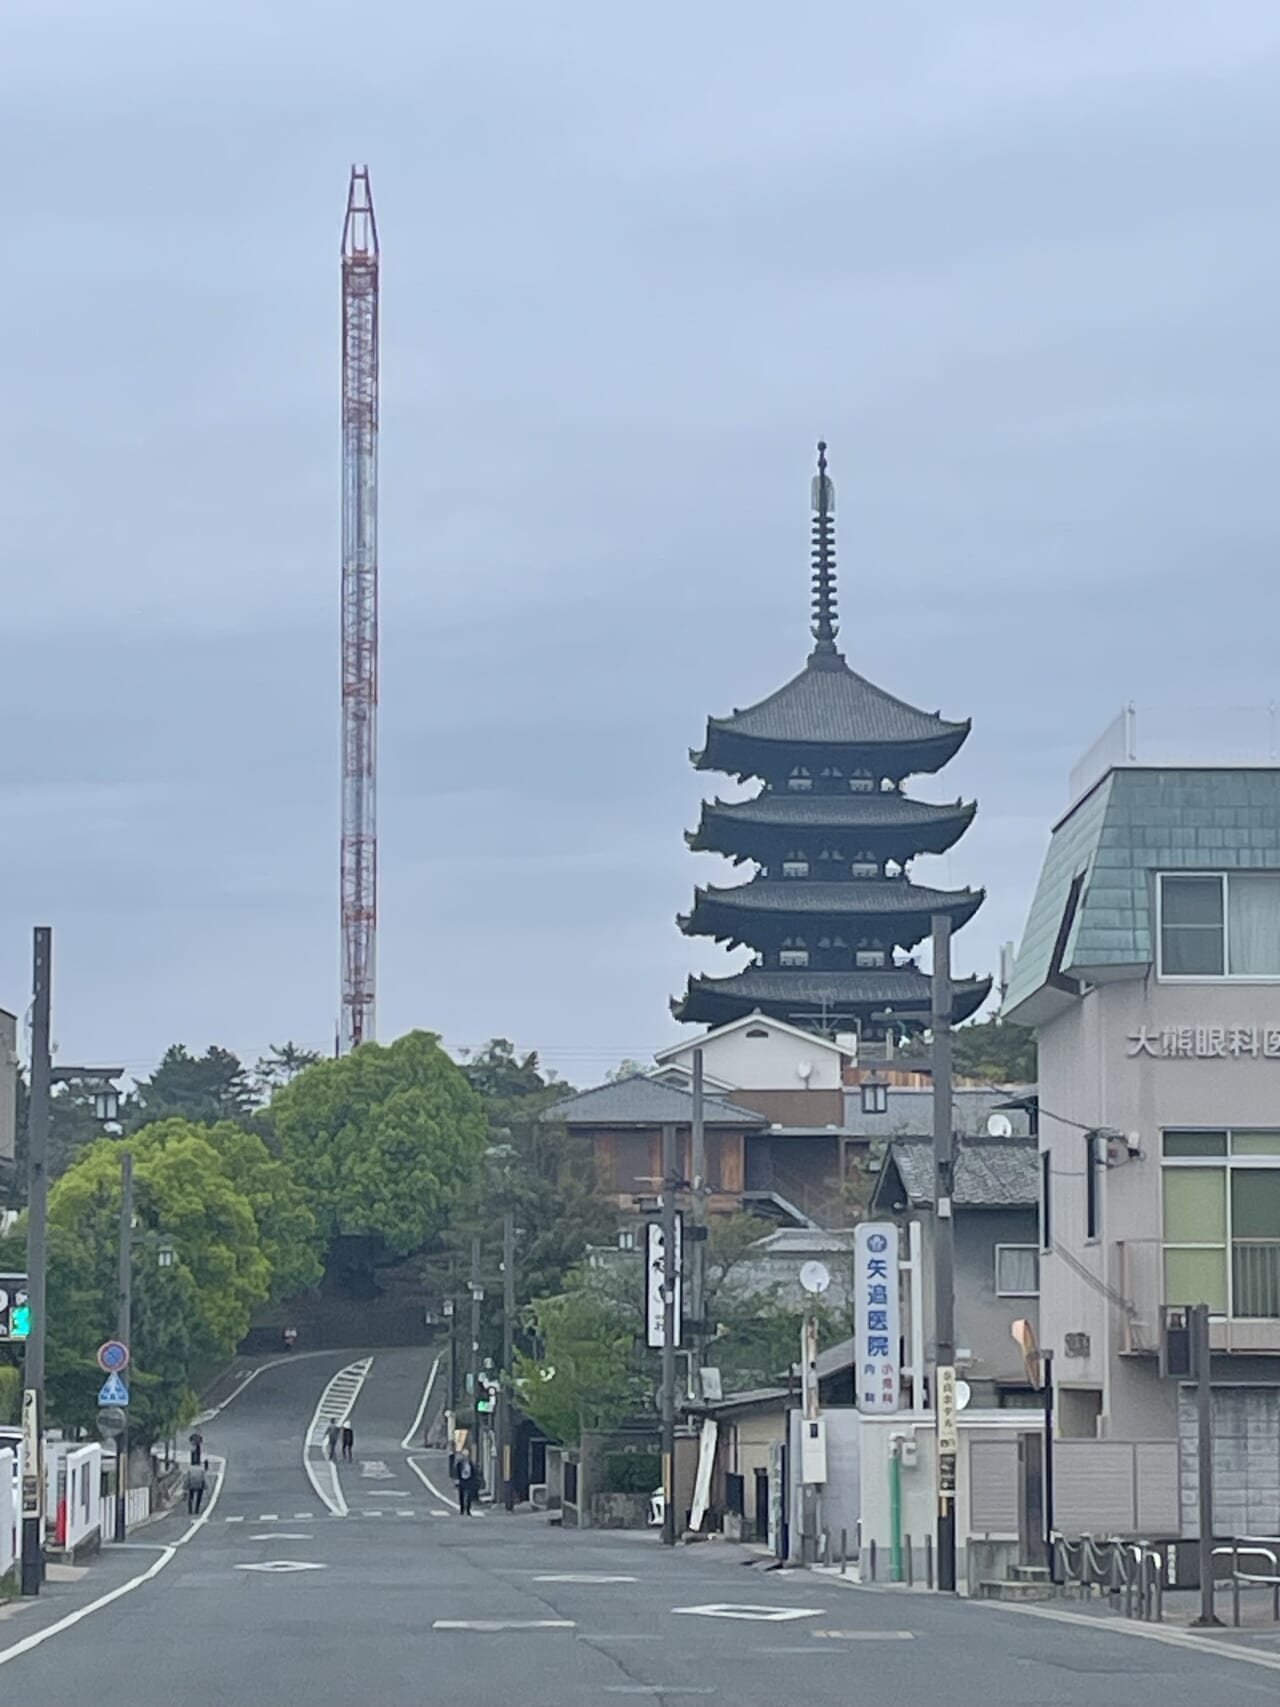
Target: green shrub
point(10, 1395)
point(632, 1472)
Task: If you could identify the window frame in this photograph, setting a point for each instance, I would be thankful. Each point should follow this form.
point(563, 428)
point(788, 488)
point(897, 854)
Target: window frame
point(1009, 1292)
point(1226, 976)
point(1228, 1164)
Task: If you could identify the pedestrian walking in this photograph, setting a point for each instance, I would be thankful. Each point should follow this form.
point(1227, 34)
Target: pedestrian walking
point(194, 1483)
point(465, 1475)
point(196, 1443)
point(332, 1438)
point(348, 1442)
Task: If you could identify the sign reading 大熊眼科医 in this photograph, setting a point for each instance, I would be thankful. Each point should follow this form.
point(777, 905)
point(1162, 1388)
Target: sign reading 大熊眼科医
point(1206, 1042)
point(876, 1326)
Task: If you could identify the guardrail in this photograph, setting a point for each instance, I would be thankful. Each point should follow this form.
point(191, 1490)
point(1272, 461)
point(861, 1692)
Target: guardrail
point(1261, 1547)
point(1131, 1572)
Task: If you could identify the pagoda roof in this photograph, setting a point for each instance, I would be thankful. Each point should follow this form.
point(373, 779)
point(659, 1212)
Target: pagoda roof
point(828, 705)
point(904, 989)
point(774, 809)
point(879, 897)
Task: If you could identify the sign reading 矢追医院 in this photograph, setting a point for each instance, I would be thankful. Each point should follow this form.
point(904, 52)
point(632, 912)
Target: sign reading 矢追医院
point(876, 1316)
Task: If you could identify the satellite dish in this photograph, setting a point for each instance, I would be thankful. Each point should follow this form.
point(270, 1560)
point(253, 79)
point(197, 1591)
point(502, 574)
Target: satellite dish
point(999, 1126)
point(804, 1069)
point(964, 1392)
point(815, 1277)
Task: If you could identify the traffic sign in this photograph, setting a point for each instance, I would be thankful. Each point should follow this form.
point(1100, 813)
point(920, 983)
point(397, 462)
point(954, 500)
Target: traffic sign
point(113, 1356)
point(113, 1392)
point(111, 1422)
point(15, 1307)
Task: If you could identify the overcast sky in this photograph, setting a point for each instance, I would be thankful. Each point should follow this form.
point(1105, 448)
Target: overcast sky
point(1018, 264)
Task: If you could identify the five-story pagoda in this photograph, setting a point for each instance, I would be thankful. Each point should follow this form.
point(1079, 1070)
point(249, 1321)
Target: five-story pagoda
point(831, 913)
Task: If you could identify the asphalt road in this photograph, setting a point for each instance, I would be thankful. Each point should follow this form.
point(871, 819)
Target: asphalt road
point(271, 1601)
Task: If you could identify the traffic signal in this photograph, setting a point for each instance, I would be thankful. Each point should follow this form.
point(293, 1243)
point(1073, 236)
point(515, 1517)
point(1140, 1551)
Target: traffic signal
point(15, 1308)
point(484, 1399)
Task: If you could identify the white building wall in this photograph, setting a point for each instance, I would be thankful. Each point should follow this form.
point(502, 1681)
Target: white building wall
point(769, 1063)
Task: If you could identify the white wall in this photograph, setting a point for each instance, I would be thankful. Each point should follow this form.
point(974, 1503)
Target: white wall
point(764, 1063)
point(10, 1524)
point(73, 1482)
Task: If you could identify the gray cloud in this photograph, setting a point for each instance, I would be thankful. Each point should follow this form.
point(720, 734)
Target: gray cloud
point(1015, 265)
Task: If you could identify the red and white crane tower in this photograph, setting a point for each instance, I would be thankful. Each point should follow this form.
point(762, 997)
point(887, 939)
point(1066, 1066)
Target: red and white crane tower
point(359, 614)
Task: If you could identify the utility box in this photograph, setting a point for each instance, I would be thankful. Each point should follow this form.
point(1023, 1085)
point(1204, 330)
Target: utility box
point(1177, 1359)
point(813, 1451)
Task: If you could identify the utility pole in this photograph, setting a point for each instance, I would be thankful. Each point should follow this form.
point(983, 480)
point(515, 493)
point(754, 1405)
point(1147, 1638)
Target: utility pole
point(124, 1333)
point(37, 1261)
point(669, 1294)
point(1198, 1321)
point(473, 1376)
point(508, 1351)
point(698, 1270)
point(944, 1302)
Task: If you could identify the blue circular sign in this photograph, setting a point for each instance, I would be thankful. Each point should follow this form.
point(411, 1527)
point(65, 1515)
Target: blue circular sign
point(113, 1357)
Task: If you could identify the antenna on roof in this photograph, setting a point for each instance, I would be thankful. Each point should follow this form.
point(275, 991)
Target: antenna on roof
point(825, 624)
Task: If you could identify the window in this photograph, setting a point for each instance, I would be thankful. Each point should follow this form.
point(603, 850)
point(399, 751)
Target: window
point(1017, 1271)
point(793, 957)
point(862, 782)
point(757, 1031)
point(1221, 1195)
point(1220, 924)
point(866, 958)
point(795, 865)
point(1092, 1186)
point(1046, 1226)
point(864, 865)
point(875, 1097)
point(800, 782)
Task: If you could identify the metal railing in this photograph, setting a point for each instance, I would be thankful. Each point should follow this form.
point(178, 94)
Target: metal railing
point(1131, 1572)
point(1263, 1548)
point(1255, 1277)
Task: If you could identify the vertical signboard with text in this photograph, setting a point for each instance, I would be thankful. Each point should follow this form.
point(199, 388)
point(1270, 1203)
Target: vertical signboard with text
point(877, 1324)
point(655, 1283)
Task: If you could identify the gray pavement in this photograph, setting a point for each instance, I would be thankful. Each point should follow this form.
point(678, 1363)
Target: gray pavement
point(272, 1601)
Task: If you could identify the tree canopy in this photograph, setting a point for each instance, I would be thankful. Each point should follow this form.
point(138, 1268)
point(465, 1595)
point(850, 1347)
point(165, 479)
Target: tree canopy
point(208, 1087)
point(591, 1369)
point(383, 1140)
point(995, 1051)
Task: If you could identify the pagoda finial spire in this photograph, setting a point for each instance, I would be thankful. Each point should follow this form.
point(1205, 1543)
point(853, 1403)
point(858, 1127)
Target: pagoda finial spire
point(825, 624)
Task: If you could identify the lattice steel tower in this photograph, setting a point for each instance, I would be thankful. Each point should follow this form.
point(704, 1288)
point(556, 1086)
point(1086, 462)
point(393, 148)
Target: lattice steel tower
point(359, 613)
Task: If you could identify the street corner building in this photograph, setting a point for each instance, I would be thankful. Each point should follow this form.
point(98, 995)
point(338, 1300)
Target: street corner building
point(831, 913)
point(1150, 968)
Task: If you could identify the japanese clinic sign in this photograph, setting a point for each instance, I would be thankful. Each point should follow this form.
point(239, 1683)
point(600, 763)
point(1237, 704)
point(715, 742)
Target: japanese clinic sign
point(876, 1318)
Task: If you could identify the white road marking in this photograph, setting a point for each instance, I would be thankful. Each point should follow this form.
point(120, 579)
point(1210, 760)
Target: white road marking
point(865, 1635)
point(371, 1514)
point(233, 1519)
point(411, 1439)
point(404, 1514)
point(758, 1614)
point(658, 1689)
point(280, 1535)
point(439, 1511)
point(582, 1577)
point(384, 1493)
point(375, 1470)
point(303, 1516)
point(283, 1567)
point(167, 1555)
point(335, 1405)
point(268, 1517)
point(489, 1625)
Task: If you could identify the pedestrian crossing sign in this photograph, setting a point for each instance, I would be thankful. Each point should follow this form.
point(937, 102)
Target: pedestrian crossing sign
point(113, 1391)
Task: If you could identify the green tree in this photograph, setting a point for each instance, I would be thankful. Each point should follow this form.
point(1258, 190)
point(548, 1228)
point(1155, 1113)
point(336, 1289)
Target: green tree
point(72, 1124)
point(280, 1065)
point(995, 1052)
point(383, 1141)
point(756, 1325)
point(537, 1169)
point(590, 1372)
point(209, 1087)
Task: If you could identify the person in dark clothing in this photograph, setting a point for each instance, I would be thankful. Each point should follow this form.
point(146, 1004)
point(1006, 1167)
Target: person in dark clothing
point(332, 1439)
point(465, 1475)
point(348, 1442)
point(196, 1442)
point(194, 1483)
